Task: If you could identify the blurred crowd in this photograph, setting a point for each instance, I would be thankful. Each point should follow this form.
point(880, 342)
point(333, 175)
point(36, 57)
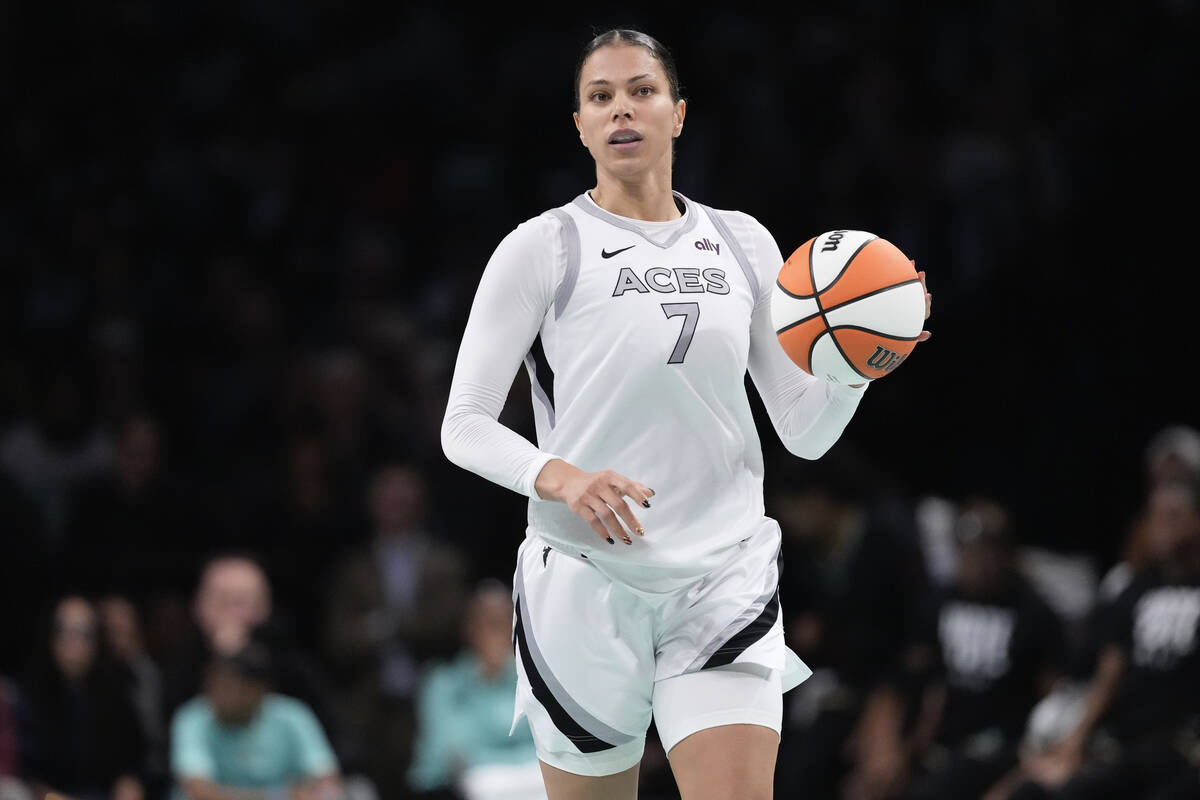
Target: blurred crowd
point(239, 245)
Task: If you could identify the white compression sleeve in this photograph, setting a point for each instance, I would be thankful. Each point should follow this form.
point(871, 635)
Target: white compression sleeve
point(809, 414)
point(514, 294)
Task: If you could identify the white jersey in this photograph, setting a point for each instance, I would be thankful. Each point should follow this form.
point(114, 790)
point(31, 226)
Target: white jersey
point(637, 337)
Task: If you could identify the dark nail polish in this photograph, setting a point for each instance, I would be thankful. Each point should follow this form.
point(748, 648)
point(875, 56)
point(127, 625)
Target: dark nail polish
point(646, 503)
point(610, 540)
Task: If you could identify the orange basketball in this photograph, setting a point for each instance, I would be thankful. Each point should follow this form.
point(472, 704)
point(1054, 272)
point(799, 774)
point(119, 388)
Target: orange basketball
point(848, 306)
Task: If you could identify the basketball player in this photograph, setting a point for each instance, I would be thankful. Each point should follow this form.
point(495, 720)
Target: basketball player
point(637, 312)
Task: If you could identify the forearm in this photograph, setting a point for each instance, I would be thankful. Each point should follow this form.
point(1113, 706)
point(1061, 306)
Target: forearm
point(473, 439)
point(1100, 695)
point(810, 415)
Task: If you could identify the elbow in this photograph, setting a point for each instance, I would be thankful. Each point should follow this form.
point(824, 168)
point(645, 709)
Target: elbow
point(810, 451)
point(451, 440)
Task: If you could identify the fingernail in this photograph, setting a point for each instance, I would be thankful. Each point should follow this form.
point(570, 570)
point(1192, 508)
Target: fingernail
point(628, 540)
point(610, 540)
point(640, 531)
point(646, 503)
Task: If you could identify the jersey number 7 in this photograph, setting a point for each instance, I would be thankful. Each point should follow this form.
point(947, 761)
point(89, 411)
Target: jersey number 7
point(691, 315)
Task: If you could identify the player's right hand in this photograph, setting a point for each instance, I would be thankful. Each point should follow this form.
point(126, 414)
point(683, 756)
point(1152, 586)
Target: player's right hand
point(598, 498)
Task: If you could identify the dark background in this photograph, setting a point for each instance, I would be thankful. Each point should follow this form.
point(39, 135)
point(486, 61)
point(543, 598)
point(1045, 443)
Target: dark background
point(204, 200)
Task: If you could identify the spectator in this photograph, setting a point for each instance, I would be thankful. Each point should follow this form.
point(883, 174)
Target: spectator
point(57, 447)
point(296, 526)
point(27, 572)
point(1171, 454)
point(232, 605)
point(985, 650)
point(79, 732)
point(465, 742)
point(11, 785)
point(1139, 725)
point(395, 602)
point(135, 518)
point(853, 574)
point(121, 627)
point(239, 740)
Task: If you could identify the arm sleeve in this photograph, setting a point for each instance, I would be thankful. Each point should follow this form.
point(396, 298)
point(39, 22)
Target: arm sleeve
point(808, 413)
point(514, 294)
point(190, 756)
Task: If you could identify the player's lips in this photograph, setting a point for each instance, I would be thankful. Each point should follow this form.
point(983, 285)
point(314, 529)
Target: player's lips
point(625, 139)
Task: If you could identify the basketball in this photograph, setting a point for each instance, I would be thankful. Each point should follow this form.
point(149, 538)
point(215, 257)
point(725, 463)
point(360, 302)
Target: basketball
point(848, 306)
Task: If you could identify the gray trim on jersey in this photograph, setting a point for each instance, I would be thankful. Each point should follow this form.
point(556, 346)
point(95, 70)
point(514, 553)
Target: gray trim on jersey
point(571, 270)
point(741, 621)
point(612, 219)
point(576, 711)
point(536, 387)
point(735, 247)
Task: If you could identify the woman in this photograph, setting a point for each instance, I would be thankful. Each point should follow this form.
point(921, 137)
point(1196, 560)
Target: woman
point(637, 312)
point(79, 732)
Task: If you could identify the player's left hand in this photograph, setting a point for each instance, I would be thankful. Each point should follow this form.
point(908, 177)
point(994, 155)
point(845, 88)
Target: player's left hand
point(924, 335)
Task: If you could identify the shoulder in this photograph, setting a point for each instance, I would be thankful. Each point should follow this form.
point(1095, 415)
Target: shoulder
point(193, 713)
point(539, 233)
point(287, 709)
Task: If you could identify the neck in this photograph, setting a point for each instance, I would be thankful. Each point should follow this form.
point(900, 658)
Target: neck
point(646, 197)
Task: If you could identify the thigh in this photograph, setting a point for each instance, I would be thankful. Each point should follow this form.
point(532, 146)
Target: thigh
point(730, 761)
point(732, 616)
point(720, 729)
point(585, 663)
point(732, 695)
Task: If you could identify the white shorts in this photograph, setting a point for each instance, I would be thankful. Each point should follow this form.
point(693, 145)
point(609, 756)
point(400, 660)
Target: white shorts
point(598, 659)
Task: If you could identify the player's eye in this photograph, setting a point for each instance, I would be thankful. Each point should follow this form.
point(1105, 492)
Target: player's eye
point(598, 97)
point(644, 91)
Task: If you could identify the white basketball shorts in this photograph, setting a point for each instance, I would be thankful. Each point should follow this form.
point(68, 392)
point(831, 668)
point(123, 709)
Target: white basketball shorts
point(598, 659)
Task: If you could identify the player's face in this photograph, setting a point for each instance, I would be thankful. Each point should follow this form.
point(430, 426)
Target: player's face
point(626, 118)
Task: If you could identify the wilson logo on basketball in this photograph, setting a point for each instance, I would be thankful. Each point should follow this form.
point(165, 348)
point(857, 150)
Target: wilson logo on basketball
point(885, 360)
point(833, 241)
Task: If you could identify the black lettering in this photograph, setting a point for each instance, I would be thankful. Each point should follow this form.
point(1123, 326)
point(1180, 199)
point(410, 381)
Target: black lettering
point(832, 242)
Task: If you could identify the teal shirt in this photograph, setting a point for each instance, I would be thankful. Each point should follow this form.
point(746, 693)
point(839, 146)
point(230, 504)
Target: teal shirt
point(284, 743)
point(464, 721)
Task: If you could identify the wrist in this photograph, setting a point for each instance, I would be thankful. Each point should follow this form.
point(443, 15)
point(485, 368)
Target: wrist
point(550, 480)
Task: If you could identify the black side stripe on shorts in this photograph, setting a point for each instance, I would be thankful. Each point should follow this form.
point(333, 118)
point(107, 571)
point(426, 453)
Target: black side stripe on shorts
point(754, 630)
point(586, 742)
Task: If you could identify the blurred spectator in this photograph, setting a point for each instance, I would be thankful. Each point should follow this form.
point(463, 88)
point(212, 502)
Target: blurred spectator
point(79, 732)
point(232, 606)
point(28, 574)
point(239, 735)
point(135, 519)
point(465, 743)
point(10, 783)
point(1171, 454)
point(394, 602)
point(304, 518)
point(985, 649)
point(1137, 732)
point(121, 627)
point(853, 574)
point(57, 447)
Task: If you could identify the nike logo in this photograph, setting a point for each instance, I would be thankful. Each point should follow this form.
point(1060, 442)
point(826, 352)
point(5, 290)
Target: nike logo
point(605, 254)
